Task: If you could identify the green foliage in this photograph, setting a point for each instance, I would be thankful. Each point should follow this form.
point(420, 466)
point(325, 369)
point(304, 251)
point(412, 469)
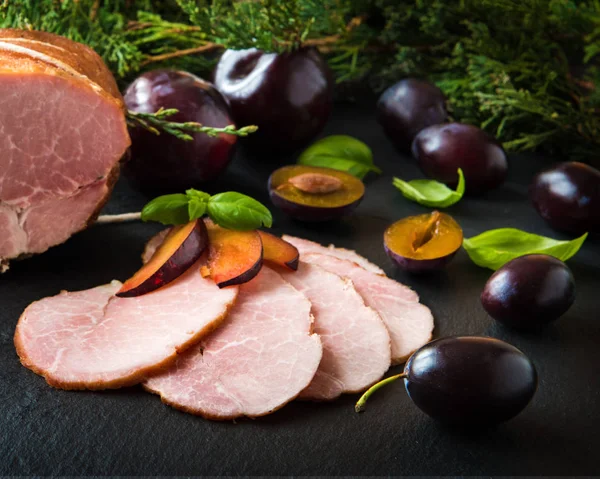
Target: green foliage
point(430, 192)
point(525, 70)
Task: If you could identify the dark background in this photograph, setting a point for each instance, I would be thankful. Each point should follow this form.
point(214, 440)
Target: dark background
point(45, 431)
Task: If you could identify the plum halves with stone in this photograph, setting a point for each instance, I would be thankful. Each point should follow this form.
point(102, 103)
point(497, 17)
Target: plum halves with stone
point(164, 162)
point(287, 95)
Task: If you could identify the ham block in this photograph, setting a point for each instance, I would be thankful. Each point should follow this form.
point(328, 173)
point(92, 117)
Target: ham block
point(261, 358)
point(356, 344)
point(63, 134)
point(305, 246)
point(410, 324)
point(94, 340)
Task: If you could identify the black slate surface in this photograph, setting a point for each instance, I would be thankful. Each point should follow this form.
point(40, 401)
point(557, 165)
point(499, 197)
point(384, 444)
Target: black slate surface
point(45, 431)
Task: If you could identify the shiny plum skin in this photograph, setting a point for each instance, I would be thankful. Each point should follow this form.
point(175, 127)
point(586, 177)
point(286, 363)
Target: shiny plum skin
point(567, 196)
point(470, 381)
point(288, 96)
point(164, 162)
point(409, 106)
point(441, 149)
point(529, 291)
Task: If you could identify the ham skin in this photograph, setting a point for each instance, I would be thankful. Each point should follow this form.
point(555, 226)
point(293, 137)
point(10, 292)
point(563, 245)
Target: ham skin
point(305, 246)
point(62, 136)
point(410, 323)
point(261, 358)
point(94, 340)
point(356, 344)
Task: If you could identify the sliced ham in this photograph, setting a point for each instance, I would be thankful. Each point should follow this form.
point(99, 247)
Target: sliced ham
point(62, 135)
point(261, 358)
point(306, 246)
point(356, 344)
point(409, 323)
point(94, 340)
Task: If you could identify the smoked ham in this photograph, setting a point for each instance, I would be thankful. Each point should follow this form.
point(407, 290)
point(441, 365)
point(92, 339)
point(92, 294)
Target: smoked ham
point(409, 323)
point(305, 246)
point(261, 358)
point(63, 133)
point(356, 344)
point(94, 340)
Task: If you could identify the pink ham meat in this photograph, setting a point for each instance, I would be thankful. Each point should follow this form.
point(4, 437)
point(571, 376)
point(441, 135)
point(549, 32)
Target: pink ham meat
point(356, 344)
point(306, 246)
point(62, 134)
point(409, 323)
point(261, 358)
point(94, 340)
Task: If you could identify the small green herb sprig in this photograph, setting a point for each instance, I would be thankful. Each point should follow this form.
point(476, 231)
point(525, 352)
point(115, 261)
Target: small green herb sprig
point(494, 248)
point(230, 210)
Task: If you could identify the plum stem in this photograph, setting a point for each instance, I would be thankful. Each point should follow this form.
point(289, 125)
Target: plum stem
point(361, 404)
point(125, 217)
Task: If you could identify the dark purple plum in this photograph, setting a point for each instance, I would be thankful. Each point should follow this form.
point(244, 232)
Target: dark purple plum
point(467, 381)
point(441, 149)
point(409, 106)
point(567, 196)
point(164, 162)
point(287, 95)
point(315, 194)
point(423, 243)
point(529, 291)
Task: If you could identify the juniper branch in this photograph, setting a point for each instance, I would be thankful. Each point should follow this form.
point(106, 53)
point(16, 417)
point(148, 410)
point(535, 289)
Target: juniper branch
point(157, 123)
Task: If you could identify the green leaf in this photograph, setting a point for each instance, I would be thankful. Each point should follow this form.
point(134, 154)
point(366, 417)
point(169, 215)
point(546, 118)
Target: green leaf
point(492, 249)
point(340, 152)
point(238, 212)
point(198, 195)
point(196, 209)
point(430, 192)
point(167, 209)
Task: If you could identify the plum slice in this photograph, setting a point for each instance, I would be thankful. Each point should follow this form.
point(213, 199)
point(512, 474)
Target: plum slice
point(424, 242)
point(181, 248)
point(279, 251)
point(234, 257)
point(312, 193)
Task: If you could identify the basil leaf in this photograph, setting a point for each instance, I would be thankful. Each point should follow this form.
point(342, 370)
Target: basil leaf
point(197, 195)
point(167, 209)
point(196, 209)
point(238, 212)
point(430, 192)
point(340, 152)
point(492, 249)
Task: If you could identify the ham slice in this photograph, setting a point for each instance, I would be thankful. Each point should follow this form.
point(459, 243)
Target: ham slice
point(62, 135)
point(410, 324)
point(94, 340)
point(356, 344)
point(261, 358)
point(306, 246)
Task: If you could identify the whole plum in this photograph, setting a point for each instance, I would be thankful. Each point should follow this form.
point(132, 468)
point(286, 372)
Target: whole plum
point(409, 106)
point(567, 196)
point(164, 162)
point(441, 149)
point(287, 95)
point(529, 291)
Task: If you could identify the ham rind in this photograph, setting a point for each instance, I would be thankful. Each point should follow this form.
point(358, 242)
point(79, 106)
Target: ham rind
point(62, 135)
point(94, 340)
point(306, 247)
point(410, 324)
point(261, 358)
point(356, 344)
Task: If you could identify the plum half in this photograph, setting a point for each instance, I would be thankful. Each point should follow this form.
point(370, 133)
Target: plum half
point(467, 381)
point(409, 106)
point(567, 196)
point(311, 193)
point(529, 291)
point(441, 150)
point(234, 257)
point(424, 242)
point(181, 248)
